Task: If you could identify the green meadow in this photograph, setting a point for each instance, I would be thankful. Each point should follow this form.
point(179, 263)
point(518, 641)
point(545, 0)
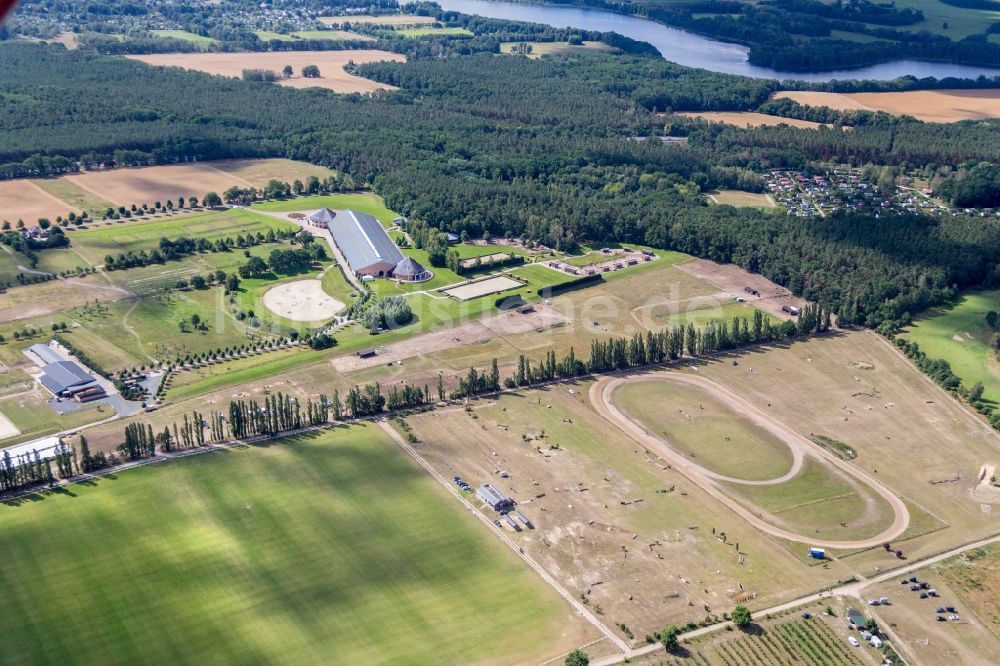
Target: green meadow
point(327, 544)
point(959, 334)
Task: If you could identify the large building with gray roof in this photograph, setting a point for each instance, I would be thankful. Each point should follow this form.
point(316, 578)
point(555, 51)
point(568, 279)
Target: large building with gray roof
point(64, 378)
point(364, 243)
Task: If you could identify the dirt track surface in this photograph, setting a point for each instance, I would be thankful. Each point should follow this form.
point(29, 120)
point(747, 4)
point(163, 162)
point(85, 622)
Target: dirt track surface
point(601, 398)
point(469, 333)
point(732, 279)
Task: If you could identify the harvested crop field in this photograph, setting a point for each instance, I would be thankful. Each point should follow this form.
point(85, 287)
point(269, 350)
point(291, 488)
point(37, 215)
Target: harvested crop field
point(331, 66)
point(258, 172)
point(94, 191)
point(481, 288)
point(746, 118)
point(302, 300)
point(936, 106)
point(23, 200)
point(156, 183)
point(742, 199)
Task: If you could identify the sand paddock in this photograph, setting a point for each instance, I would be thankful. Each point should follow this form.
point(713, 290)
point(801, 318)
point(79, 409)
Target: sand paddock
point(491, 285)
point(156, 183)
point(303, 301)
point(936, 106)
point(469, 333)
point(331, 66)
point(7, 428)
point(23, 200)
point(732, 279)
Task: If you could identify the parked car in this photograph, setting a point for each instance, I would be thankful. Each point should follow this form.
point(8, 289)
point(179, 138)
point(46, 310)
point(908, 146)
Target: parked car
point(853, 641)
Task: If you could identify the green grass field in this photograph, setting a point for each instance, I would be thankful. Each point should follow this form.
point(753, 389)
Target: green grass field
point(74, 195)
point(51, 261)
point(35, 419)
point(819, 498)
point(267, 35)
point(698, 424)
point(467, 251)
point(431, 32)
point(332, 544)
point(185, 35)
point(364, 202)
point(961, 22)
point(959, 334)
point(95, 244)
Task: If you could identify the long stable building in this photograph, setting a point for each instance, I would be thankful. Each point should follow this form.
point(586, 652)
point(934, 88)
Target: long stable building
point(364, 243)
point(367, 247)
point(66, 379)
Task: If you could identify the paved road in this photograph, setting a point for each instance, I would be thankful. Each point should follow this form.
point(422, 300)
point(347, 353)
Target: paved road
point(600, 398)
point(580, 609)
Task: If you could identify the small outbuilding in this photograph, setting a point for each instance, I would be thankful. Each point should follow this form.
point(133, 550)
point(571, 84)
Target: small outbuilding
point(367, 353)
point(494, 498)
point(322, 218)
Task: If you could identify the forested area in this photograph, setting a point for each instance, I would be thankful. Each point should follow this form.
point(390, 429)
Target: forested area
point(797, 35)
point(541, 149)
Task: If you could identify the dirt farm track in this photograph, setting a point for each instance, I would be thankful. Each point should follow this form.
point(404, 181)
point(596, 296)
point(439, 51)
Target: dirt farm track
point(601, 399)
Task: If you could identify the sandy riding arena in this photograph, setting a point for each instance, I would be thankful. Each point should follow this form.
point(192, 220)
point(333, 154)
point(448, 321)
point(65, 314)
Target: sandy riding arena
point(493, 285)
point(330, 63)
point(302, 300)
point(7, 428)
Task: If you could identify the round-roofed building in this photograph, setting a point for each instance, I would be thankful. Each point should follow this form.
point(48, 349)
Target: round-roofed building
point(410, 270)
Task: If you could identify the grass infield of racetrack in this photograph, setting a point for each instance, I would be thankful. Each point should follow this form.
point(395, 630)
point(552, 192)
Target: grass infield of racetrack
point(329, 544)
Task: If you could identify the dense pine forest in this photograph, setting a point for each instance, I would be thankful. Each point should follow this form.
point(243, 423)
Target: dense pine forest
point(556, 150)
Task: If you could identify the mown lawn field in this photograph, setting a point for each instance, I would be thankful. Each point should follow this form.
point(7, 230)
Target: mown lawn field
point(432, 32)
point(331, 547)
point(95, 244)
point(365, 202)
point(698, 424)
point(959, 334)
point(819, 498)
point(185, 35)
point(35, 419)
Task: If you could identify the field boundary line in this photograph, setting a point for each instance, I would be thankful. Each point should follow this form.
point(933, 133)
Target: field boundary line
point(580, 609)
point(961, 405)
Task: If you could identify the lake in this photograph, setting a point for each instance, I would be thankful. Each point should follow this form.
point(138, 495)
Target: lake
point(686, 48)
